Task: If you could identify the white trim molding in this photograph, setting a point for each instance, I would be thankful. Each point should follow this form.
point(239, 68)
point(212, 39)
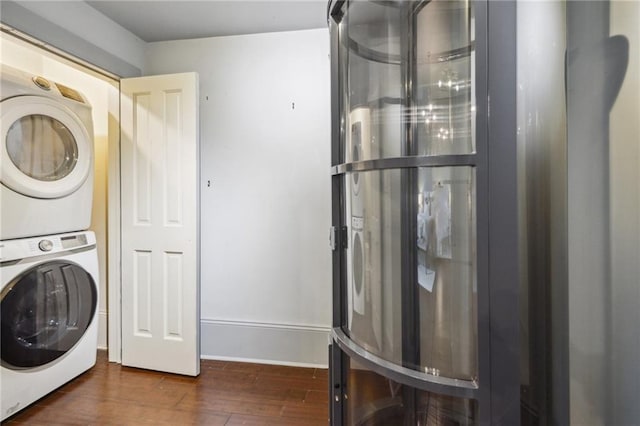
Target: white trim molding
point(114, 338)
point(265, 343)
point(102, 329)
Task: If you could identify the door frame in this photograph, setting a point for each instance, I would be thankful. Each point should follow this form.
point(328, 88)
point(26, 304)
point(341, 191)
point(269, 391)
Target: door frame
point(114, 230)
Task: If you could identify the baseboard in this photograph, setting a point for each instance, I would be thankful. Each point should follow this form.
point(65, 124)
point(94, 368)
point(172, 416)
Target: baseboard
point(102, 330)
point(244, 341)
point(266, 343)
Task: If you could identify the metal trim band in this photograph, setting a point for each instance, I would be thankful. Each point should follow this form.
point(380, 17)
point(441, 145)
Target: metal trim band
point(416, 379)
point(406, 162)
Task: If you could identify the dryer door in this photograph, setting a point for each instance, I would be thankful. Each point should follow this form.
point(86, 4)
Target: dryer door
point(45, 312)
point(46, 150)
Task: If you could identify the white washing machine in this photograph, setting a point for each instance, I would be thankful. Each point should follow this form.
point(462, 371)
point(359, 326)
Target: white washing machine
point(48, 315)
point(46, 157)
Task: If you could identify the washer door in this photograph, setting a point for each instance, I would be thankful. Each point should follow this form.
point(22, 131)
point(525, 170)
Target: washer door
point(46, 150)
point(44, 313)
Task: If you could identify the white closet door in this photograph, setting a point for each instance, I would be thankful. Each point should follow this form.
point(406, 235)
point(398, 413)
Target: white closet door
point(160, 223)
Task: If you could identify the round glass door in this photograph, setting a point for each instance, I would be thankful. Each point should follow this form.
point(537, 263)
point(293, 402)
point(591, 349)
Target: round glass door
point(46, 150)
point(45, 312)
point(42, 147)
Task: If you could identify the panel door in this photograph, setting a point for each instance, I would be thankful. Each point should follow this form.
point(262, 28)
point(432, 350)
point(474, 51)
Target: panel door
point(160, 229)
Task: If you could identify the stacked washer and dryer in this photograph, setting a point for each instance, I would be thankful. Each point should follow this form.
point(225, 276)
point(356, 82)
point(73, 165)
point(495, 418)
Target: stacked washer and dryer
point(48, 259)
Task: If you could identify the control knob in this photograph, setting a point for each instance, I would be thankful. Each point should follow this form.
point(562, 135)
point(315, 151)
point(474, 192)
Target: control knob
point(42, 83)
point(45, 245)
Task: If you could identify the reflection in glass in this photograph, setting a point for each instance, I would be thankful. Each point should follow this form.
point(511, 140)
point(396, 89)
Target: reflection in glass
point(370, 48)
point(444, 79)
point(376, 400)
point(446, 271)
point(373, 262)
point(441, 107)
point(45, 312)
point(42, 147)
point(445, 260)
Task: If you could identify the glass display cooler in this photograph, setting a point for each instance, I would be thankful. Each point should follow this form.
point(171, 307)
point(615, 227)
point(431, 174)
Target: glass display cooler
point(412, 340)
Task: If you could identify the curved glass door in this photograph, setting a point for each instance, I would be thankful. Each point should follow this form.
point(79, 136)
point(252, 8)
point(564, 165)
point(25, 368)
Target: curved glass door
point(378, 65)
point(377, 400)
point(410, 98)
point(444, 75)
point(445, 286)
point(45, 312)
point(372, 51)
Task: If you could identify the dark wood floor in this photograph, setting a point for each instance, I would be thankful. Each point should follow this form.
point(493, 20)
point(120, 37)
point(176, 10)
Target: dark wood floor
point(225, 393)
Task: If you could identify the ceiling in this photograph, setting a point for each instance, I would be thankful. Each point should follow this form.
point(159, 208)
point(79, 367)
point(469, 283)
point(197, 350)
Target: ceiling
point(177, 20)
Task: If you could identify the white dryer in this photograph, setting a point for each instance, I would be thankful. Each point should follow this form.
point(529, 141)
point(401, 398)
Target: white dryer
point(46, 157)
point(48, 315)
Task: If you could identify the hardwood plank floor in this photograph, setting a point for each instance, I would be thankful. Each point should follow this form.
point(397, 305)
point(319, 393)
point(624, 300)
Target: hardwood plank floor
point(225, 393)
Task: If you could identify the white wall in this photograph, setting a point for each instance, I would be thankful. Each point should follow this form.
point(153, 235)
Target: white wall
point(28, 58)
point(604, 211)
point(624, 186)
point(265, 142)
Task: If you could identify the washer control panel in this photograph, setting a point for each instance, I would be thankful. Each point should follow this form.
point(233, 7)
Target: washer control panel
point(24, 248)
